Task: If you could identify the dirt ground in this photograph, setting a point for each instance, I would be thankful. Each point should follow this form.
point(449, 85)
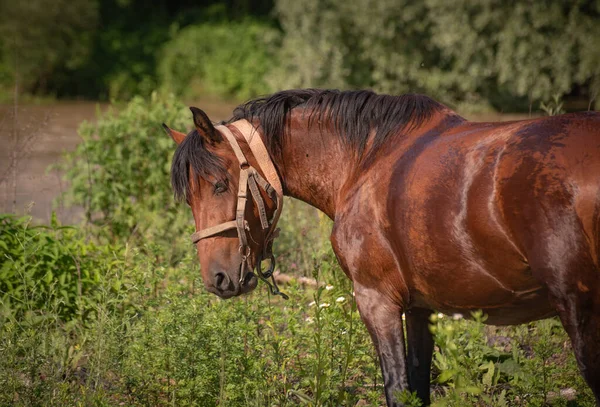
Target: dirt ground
point(48, 130)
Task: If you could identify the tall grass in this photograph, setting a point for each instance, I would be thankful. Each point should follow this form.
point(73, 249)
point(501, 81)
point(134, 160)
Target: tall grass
point(155, 337)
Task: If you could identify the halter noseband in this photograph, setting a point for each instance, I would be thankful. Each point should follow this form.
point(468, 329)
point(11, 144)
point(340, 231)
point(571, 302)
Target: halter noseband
point(251, 178)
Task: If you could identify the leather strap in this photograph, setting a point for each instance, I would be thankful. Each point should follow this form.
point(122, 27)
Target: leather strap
point(264, 222)
point(241, 207)
point(250, 178)
point(234, 144)
point(265, 165)
point(215, 230)
point(261, 155)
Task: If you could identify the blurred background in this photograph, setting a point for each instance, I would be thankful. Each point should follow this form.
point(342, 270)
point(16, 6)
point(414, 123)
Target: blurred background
point(60, 60)
point(101, 301)
point(505, 56)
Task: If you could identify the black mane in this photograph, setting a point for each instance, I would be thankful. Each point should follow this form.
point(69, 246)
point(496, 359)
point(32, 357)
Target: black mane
point(192, 153)
point(353, 115)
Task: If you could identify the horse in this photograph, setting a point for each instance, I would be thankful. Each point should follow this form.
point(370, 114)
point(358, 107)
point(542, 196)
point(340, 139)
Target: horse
point(430, 212)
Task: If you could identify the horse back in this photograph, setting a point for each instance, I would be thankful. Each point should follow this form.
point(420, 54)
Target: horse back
point(467, 204)
point(550, 190)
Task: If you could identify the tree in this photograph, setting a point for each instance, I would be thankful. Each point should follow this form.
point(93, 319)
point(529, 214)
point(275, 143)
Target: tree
point(488, 51)
point(41, 37)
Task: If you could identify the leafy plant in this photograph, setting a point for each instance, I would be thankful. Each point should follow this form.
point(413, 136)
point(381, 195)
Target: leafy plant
point(508, 366)
point(226, 59)
point(120, 172)
point(553, 107)
point(52, 267)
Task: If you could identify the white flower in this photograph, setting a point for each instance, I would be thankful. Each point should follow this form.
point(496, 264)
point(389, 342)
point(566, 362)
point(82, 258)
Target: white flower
point(312, 304)
point(403, 317)
point(309, 320)
point(456, 317)
point(340, 299)
point(324, 305)
point(329, 287)
point(440, 315)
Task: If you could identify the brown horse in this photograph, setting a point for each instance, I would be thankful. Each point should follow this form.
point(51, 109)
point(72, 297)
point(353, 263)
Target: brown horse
point(430, 211)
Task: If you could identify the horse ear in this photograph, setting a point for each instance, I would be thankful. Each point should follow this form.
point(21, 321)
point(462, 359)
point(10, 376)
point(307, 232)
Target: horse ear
point(205, 127)
point(175, 135)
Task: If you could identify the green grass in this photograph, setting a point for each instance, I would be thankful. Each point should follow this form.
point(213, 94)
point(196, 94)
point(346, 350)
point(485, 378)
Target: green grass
point(153, 336)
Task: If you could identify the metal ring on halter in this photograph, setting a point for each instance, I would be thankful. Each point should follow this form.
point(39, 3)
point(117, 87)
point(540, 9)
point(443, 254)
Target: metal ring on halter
point(244, 251)
point(269, 272)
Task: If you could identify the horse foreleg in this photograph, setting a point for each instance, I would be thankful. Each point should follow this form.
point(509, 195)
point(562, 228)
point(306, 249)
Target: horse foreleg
point(380, 291)
point(383, 319)
point(420, 351)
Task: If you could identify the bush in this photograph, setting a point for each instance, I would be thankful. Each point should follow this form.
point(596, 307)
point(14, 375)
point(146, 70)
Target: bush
point(185, 346)
point(525, 365)
point(224, 59)
point(50, 270)
point(120, 174)
point(506, 55)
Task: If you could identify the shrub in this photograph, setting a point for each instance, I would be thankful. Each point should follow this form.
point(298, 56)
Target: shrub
point(185, 346)
point(50, 269)
point(229, 59)
point(523, 365)
point(120, 173)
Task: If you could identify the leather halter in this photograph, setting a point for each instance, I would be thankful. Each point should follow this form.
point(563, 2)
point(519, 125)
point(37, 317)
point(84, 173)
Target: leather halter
point(251, 178)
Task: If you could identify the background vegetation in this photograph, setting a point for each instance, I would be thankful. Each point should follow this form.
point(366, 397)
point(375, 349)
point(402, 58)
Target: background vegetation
point(491, 54)
point(112, 311)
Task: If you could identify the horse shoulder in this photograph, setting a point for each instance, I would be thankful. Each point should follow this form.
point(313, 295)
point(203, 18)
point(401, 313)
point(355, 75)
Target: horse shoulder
point(361, 244)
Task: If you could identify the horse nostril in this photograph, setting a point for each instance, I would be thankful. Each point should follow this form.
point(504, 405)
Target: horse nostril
point(221, 281)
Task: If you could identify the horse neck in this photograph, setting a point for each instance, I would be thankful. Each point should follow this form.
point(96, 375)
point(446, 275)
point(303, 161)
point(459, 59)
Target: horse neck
point(315, 164)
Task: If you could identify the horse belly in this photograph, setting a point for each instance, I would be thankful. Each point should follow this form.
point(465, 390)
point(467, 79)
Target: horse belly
point(521, 307)
point(458, 254)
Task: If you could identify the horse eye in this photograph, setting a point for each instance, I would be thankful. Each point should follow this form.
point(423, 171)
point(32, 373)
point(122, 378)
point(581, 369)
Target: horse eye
point(220, 187)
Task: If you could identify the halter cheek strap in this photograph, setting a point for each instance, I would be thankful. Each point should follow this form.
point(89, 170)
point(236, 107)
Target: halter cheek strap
point(251, 179)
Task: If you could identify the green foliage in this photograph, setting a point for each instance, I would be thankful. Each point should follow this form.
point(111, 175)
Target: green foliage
point(224, 59)
point(127, 62)
point(466, 53)
point(50, 269)
point(409, 399)
point(312, 52)
point(120, 173)
point(524, 50)
point(509, 366)
point(154, 336)
point(181, 345)
point(553, 107)
point(490, 54)
point(41, 39)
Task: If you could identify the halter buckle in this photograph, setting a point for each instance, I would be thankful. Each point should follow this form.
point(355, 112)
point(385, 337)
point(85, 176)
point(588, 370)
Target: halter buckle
point(245, 252)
